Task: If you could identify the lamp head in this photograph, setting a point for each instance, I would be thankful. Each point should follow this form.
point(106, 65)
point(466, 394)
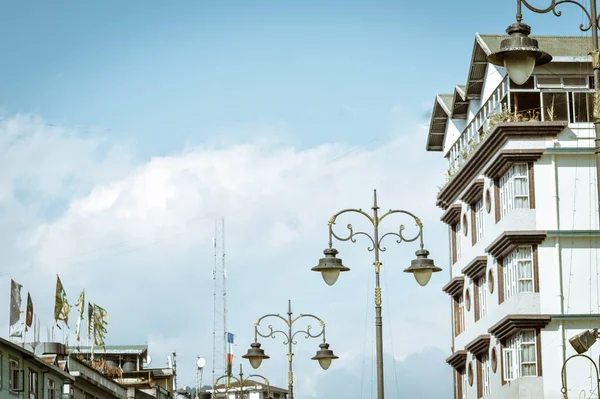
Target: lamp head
point(255, 355)
point(330, 266)
point(324, 356)
point(422, 267)
point(584, 341)
point(519, 53)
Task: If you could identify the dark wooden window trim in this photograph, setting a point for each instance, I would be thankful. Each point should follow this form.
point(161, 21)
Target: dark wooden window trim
point(458, 377)
point(474, 226)
point(500, 278)
point(476, 304)
point(502, 346)
point(479, 377)
point(454, 236)
point(497, 199)
point(531, 181)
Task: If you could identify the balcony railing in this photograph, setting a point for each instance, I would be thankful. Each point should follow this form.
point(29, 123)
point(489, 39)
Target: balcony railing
point(561, 98)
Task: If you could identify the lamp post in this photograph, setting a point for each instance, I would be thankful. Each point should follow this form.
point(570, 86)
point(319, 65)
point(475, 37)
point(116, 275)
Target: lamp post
point(330, 266)
point(581, 343)
point(256, 355)
point(519, 54)
point(240, 381)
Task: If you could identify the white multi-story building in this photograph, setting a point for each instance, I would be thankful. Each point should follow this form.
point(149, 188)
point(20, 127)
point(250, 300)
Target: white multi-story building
point(521, 208)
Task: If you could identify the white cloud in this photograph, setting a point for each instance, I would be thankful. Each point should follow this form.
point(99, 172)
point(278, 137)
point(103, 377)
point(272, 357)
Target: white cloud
point(140, 240)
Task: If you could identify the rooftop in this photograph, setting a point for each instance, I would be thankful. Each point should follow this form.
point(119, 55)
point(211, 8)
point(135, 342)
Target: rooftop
point(562, 49)
point(111, 349)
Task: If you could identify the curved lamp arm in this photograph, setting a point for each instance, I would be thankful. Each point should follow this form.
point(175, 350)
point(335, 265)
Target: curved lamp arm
point(272, 332)
point(351, 234)
point(552, 8)
point(308, 332)
point(400, 234)
point(563, 389)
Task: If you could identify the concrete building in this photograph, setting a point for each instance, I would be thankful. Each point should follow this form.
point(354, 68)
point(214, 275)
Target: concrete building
point(128, 366)
point(251, 390)
point(520, 203)
point(25, 375)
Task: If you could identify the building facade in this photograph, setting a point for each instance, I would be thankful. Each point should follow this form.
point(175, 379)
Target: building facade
point(521, 207)
point(24, 375)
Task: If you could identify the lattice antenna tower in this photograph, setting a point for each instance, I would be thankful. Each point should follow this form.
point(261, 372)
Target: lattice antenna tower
point(219, 301)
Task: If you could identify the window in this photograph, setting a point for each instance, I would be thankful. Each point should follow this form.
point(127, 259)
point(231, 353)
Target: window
point(520, 355)
point(514, 188)
point(482, 290)
point(459, 315)
point(465, 384)
point(51, 389)
point(485, 373)
point(479, 220)
point(518, 271)
point(555, 106)
point(457, 241)
point(15, 376)
point(582, 107)
point(33, 384)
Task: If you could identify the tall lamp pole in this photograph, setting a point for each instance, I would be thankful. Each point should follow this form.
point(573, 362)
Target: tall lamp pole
point(240, 381)
point(581, 343)
point(520, 54)
point(256, 355)
point(330, 266)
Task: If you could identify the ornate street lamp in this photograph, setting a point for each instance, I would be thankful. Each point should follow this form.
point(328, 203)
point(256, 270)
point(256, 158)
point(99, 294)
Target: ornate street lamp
point(331, 266)
point(256, 355)
point(240, 381)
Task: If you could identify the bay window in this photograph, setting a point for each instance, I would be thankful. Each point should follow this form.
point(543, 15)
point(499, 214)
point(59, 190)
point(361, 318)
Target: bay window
point(514, 188)
point(520, 355)
point(517, 269)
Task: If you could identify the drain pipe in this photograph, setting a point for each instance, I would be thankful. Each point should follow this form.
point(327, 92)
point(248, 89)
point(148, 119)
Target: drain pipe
point(560, 266)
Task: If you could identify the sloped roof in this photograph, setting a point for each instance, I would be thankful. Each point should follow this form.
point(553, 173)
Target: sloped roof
point(562, 49)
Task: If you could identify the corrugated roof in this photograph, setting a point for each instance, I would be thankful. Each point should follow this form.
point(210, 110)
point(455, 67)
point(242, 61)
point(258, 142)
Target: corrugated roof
point(557, 46)
point(439, 120)
point(111, 350)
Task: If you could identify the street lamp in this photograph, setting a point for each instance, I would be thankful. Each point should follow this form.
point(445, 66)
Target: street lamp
point(520, 54)
point(240, 381)
point(581, 343)
point(330, 266)
point(256, 355)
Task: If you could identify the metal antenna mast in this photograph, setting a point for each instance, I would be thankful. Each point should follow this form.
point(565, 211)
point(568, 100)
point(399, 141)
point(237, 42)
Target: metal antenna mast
point(219, 301)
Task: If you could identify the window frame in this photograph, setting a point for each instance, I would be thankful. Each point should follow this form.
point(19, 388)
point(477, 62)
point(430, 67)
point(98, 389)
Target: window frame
point(479, 227)
point(482, 292)
point(485, 373)
point(459, 314)
point(510, 271)
point(15, 376)
point(33, 384)
point(506, 187)
point(51, 389)
point(512, 355)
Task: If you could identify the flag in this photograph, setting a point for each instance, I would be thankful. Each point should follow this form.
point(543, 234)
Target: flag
point(230, 343)
point(100, 323)
point(29, 313)
point(61, 305)
point(15, 309)
point(90, 318)
point(80, 305)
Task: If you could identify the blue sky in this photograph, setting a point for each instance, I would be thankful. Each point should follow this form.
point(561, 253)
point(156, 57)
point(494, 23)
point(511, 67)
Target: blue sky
point(169, 74)
point(130, 126)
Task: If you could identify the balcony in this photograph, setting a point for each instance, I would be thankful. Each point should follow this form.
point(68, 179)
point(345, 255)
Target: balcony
point(543, 98)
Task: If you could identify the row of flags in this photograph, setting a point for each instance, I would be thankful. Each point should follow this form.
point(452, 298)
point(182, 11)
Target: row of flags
point(96, 315)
